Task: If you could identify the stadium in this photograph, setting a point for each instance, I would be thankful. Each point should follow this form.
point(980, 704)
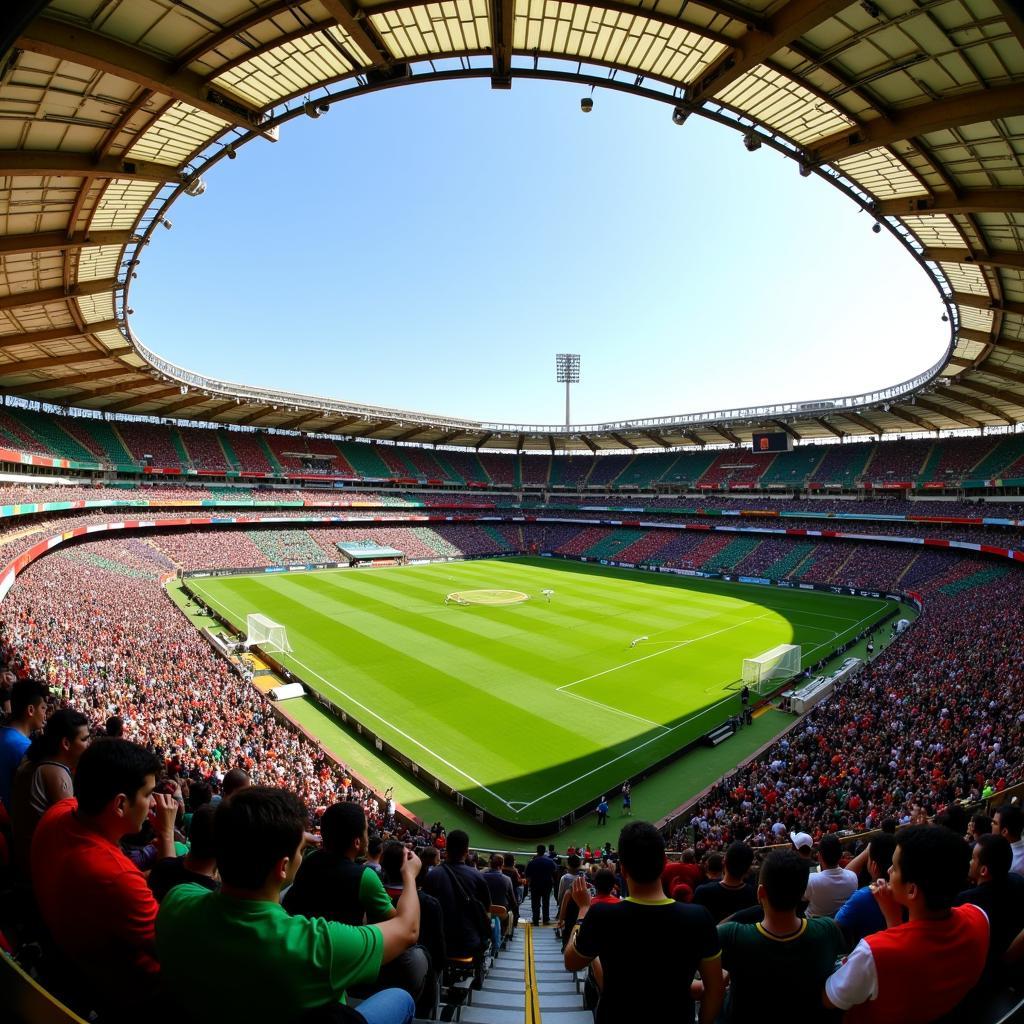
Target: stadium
point(778, 641)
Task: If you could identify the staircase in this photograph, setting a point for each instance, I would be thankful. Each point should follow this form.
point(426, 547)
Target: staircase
point(528, 983)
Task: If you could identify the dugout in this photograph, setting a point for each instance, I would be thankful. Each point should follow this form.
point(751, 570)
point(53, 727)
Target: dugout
point(369, 552)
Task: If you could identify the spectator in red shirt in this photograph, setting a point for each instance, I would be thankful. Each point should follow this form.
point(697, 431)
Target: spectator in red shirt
point(94, 901)
point(686, 870)
point(915, 971)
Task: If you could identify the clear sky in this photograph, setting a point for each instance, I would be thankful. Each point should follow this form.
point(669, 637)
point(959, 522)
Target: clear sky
point(433, 247)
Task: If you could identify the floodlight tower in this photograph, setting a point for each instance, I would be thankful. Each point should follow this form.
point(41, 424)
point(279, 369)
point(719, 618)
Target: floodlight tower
point(567, 371)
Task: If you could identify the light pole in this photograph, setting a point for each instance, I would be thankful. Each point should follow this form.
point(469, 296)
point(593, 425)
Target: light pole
point(567, 371)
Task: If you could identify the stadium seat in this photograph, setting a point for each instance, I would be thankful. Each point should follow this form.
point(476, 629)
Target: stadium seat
point(27, 1001)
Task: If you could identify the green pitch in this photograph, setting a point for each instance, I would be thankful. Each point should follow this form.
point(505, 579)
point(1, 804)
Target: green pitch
point(532, 708)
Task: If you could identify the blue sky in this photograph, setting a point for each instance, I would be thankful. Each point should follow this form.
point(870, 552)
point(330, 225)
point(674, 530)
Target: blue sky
point(433, 247)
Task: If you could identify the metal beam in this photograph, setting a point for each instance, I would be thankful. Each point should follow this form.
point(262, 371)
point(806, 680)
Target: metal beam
point(129, 403)
point(830, 428)
point(977, 403)
point(21, 163)
point(64, 41)
point(355, 21)
point(987, 389)
point(252, 417)
point(448, 438)
point(987, 302)
point(55, 383)
point(922, 119)
point(483, 440)
point(866, 424)
point(585, 438)
point(788, 429)
point(758, 43)
point(950, 414)
point(47, 362)
point(502, 15)
point(727, 434)
point(997, 258)
point(551, 443)
point(57, 294)
point(16, 245)
point(623, 441)
point(1003, 373)
point(900, 413)
point(657, 438)
point(217, 410)
point(695, 438)
point(56, 334)
point(407, 435)
point(194, 399)
point(980, 200)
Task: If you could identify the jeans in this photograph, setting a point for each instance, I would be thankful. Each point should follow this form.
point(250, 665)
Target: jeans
point(540, 896)
point(389, 1006)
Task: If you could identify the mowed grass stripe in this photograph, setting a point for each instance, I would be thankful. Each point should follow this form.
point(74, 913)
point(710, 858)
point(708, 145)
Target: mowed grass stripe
point(424, 694)
point(478, 686)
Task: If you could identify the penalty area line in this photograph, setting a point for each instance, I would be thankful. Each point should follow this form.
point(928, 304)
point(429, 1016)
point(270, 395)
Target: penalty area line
point(667, 650)
point(370, 711)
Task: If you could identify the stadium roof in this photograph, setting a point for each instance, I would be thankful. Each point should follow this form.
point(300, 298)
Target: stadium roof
point(112, 110)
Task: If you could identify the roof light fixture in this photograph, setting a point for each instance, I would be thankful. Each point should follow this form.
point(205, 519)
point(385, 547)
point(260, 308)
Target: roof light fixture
point(752, 141)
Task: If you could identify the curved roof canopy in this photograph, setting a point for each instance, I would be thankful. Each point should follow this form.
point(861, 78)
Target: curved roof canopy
point(112, 110)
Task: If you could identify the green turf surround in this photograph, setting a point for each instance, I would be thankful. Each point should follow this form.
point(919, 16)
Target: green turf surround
point(533, 709)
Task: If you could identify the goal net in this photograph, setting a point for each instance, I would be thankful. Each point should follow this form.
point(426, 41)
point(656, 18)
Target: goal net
point(266, 633)
point(782, 662)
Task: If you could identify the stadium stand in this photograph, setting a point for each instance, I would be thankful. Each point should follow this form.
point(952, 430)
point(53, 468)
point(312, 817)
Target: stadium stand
point(203, 449)
point(534, 470)
point(793, 469)
point(949, 464)
point(897, 462)
point(142, 439)
point(499, 469)
point(570, 470)
point(643, 471)
point(735, 468)
point(687, 469)
point(607, 468)
point(15, 434)
point(1006, 454)
point(843, 465)
point(364, 460)
point(50, 432)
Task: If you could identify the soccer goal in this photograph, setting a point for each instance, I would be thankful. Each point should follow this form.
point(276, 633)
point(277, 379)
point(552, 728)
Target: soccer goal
point(266, 633)
point(782, 662)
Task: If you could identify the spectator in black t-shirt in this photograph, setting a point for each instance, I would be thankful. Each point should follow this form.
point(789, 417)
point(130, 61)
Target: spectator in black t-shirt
point(453, 883)
point(998, 892)
point(199, 865)
point(649, 946)
point(731, 893)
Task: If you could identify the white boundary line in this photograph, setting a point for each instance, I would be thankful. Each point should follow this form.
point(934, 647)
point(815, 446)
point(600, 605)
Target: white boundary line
point(370, 711)
point(666, 650)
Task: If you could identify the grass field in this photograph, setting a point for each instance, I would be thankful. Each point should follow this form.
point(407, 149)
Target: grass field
point(531, 709)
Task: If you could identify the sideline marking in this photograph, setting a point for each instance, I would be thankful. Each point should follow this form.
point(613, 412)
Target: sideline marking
point(379, 718)
point(675, 646)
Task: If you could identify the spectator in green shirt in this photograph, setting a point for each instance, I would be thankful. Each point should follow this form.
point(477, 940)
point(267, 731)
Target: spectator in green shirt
point(782, 949)
point(335, 882)
point(284, 966)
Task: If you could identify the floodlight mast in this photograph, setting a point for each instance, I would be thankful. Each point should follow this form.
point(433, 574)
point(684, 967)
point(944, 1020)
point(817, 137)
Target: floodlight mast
point(567, 371)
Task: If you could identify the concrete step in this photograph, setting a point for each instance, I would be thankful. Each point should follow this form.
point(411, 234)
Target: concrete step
point(565, 1016)
point(482, 1015)
point(555, 987)
point(561, 1001)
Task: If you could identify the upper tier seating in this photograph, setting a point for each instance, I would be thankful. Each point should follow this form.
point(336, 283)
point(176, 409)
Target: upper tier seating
point(535, 469)
point(793, 469)
point(606, 469)
point(204, 449)
point(897, 461)
point(843, 464)
point(736, 468)
point(142, 439)
point(951, 463)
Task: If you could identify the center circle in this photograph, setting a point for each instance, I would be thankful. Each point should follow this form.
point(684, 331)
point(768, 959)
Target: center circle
point(488, 597)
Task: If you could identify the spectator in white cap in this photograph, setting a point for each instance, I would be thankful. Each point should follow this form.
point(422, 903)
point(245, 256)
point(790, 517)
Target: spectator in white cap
point(802, 843)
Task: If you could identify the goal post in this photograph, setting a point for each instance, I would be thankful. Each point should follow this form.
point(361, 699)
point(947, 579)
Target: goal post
point(782, 662)
point(264, 632)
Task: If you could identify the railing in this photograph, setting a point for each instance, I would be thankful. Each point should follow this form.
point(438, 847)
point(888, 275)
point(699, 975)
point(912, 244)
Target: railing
point(297, 401)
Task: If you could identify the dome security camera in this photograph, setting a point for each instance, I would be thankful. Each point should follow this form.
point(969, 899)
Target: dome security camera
point(877, 228)
point(586, 104)
point(752, 141)
point(679, 115)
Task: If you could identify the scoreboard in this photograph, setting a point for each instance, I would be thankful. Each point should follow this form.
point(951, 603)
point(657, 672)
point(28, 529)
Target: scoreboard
point(778, 441)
